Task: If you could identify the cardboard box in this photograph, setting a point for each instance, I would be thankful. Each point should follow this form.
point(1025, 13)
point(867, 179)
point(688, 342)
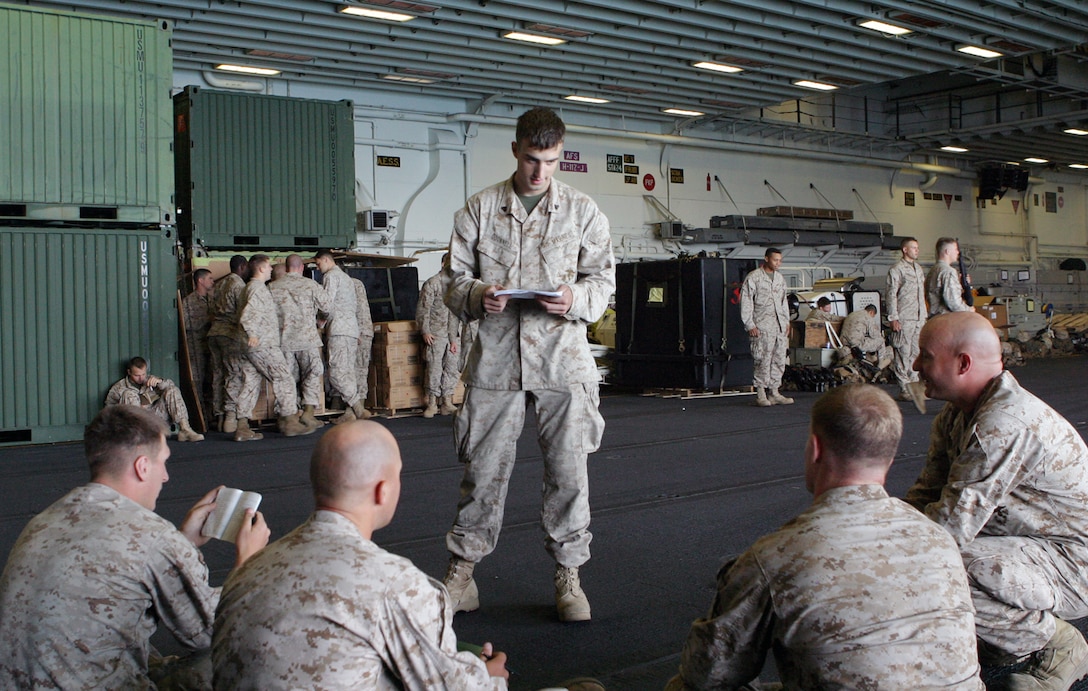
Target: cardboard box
point(394, 354)
point(997, 314)
point(397, 326)
point(396, 337)
point(816, 333)
point(398, 398)
point(384, 378)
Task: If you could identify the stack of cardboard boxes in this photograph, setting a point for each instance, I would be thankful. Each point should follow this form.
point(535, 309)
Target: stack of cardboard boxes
point(396, 367)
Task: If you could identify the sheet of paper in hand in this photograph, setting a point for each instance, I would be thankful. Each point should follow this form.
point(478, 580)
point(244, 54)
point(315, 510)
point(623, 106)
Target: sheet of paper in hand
point(230, 510)
point(526, 294)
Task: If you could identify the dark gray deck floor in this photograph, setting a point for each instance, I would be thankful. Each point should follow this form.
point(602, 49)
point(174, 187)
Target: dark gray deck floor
point(677, 486)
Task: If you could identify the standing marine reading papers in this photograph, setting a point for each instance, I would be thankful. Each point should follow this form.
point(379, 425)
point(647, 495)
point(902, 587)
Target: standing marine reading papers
point(529, 232)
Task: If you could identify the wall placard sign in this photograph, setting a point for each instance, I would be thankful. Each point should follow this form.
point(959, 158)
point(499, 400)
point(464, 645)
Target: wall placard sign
point(569, 167)
point(614, 163)
point(628, 158)
point(630, 170)
point(388, 161)
point(676, 175)
point(630, 179)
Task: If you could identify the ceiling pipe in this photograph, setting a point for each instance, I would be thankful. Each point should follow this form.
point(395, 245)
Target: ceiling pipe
point(233, 83)
point(693, 142)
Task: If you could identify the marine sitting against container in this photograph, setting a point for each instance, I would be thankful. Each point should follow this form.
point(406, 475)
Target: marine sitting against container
point(161, 396)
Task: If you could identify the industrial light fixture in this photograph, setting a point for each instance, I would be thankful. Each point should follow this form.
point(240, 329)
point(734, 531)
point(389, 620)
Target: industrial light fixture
point(883, 27)
point(681, 111)
point(1079, 166)
point(717, 67)
point(978, 52)
point(248, 69)
point(585, 99)
point(407, 78)
point(954, 149)
point(1036, 160)
point(819, 86)
point(1075, 131)
point(533, 38)
point(374, 13)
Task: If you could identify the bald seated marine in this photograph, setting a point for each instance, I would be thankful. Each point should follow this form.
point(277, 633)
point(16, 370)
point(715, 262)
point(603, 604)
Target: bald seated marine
point(326, 606)
point(1007, 476)
point(859, 591)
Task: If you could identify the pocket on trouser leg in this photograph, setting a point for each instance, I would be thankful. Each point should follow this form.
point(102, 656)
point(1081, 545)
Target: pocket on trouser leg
point(592, 420)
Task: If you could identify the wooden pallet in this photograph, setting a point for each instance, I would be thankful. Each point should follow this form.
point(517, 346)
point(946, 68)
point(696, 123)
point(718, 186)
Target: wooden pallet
point(1071, 322)
point(698, 393)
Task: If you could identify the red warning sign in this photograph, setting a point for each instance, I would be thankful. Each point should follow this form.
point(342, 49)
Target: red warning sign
point(648, 182)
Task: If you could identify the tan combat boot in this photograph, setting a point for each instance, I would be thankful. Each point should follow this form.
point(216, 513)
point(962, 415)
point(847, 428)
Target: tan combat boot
point(570, 601)
point(290, 426)
point(464, 595)
point(219, 422)
point(360, 410)
point(307, 418)
point(230, 423)
point(778, 398)
point(432, 407)
point(348, 416)
point(761, 398)
point(1061, 663)
point(244, 433)
point(187, 433)
point(446, 406)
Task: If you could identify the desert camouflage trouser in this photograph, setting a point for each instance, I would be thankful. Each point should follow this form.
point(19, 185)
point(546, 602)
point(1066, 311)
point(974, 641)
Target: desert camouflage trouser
point(226, 368)
point(266, 363)
point(362, 367)
point(343, 367)
point(306, 369)
point(169, 406)
point(769, 358)
point(443, 368)
point(905, 343)
point(1018, 585)
point(486, 431)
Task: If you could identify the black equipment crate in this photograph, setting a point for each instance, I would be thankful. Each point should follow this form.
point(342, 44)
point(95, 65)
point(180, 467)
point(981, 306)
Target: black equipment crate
point(678, 324)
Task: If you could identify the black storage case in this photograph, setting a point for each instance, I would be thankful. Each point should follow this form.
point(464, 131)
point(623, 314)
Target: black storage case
point(678, 324)
point(391, 291)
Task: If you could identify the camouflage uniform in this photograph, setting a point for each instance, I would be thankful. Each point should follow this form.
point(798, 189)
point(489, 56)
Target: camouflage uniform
point(85, 586)
point(257, 319)
point(763, 305)
point(342, 334)
point(298, 301)
point(443, 367)
point(861, 331)
point(195, 307)
point(366, 339)
point(524, 355)
point(326, 608)
point(857, 592)
point(944, 290)
point(226, 354)
point(818, 315)
point(164, 400)
point(1010, 483)
point(905, 300)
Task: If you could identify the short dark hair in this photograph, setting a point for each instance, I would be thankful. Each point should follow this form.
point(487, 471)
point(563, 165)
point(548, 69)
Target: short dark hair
point(823, 302)
point(858, 422)
point(904, 241)
point(540, 128)
point(137, 363)
point(870, 308)
point(118, 432)
point(770, 251)
point(945, 242)
point(199, 274)
point(237, 263)
point(324, 253)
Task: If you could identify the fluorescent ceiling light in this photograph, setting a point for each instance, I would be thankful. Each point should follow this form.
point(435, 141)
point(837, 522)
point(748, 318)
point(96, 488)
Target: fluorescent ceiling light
point(533, 38)
point(1036, 160)
point(407, 78)
point(1078, 165)
point(247, 69)
point(978, 52)
point(954, 149)
point(681, 111)
point(884, 27)
point(716, 67)
point(819, 86)
point(585, 99)
point(371, 13)
point(1073, 130)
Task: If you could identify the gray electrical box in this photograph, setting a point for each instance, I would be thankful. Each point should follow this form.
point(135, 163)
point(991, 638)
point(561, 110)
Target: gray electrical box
point(264, 172)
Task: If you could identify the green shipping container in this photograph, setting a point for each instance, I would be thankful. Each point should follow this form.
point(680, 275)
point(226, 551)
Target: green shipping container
point(75, 305)
point(264, 172)
point(85, 131)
